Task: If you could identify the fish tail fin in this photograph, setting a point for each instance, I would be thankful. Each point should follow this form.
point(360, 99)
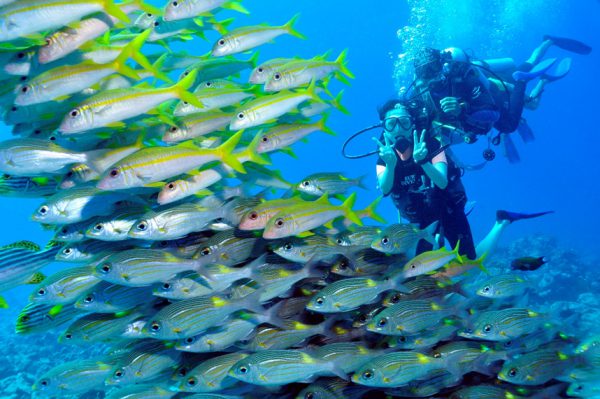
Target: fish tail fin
point(342, 64)
point(370, 211)
point(347, 207)
point(112, 9)
point(289, 26)
point(3, 303)
point(225, 152)
point(221, 26)
point(312, 91)
point(457, 254)
point(337, 103)
point(480, 265)
point(236, 6)
point(429, 233)
point(145, 7)
point(132, 50)
point(180, 89)
point(254, 59)
point(322, 124)
point(157, 67)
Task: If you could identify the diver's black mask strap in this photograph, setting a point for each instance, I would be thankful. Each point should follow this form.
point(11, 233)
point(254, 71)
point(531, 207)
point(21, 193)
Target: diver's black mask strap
point(349, 139)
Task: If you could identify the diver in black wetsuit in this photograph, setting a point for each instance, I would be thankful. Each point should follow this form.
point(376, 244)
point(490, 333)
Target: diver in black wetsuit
point(456, 91)
point(424, 184)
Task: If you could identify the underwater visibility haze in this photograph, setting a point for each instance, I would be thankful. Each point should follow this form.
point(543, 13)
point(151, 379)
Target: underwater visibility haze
point(179, 219)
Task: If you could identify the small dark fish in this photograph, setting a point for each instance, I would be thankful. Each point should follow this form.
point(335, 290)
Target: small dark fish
point(528, 263)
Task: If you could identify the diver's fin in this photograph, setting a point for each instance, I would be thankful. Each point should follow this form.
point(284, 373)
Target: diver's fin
point(535, 72)
point(572, 45)
point(510, 149)
point(525, 131)
point(559, 71)
point(502, 215)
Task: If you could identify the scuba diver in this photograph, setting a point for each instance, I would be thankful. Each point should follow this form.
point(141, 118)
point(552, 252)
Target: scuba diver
point(424, 184)
point(474, 96)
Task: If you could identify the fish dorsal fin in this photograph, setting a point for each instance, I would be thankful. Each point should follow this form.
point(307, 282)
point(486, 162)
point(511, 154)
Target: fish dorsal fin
point(28, 245)
point(36, 278)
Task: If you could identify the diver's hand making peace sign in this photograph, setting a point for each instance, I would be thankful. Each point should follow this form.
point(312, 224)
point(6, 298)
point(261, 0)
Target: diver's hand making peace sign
point(386, 151)
point(420, 147)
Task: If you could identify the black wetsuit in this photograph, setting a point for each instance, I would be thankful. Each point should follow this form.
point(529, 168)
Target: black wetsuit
point(421, 202)
point(464, 82)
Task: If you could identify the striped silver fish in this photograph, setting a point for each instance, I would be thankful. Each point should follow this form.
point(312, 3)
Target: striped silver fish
point(220, 338)
point(37, 318)
point(106, 297)
point(211, 375)
point(25, 187)
point(73, 378)
point(64, 286)
point(504, 325)
point(141, 267)
point(145, 362)
point(502, 286)
point(97, 328)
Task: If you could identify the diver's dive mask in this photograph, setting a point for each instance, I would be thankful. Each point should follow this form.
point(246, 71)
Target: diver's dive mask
point(404, 121)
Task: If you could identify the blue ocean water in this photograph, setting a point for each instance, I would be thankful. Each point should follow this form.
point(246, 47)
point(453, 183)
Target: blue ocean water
point(559, 171)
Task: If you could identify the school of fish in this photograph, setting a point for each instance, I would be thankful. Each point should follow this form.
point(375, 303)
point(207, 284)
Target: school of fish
point(203, 271)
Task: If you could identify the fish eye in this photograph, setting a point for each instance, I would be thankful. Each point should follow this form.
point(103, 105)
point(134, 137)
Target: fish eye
point(41, 292)
point(114, 173)
point(221, 42)
point(508, 344)
point(106, 268)
point(44, 383)
point(395, 298)
point(99, 227)
point(149, 15)
point(70, 173)
point(261, 70)
point(413, 266)
point(171, 186)
point(191, 382)
point(174, 4)
point(43, 210)
point(48, 42)
point(382, 322)
point(368, 374)
point(277, 76)
point(182, 372)
point(208, 84)
point(306, 183)
point(156, 24)
point(52, 138)
point(243, 369)
point(512, 372)
point(319, 301)
point(343, 264)
point(68, 336)
point(402, 338)
point(190, 340)
point(241, 116)
point(64, 230)
point(119, 373)
point(24, 318)
point(579, 387)
point(24, 89)
point(74, 113)
point(385, 240)
point(486, 288)
point(487, 328)
point(23, 78)
point(173, 129)
point(67, 251)
point(155, 326)
point(21, 55)
point(89, 298)
point(309, 395)
point(253, 215)
point(279, 222)
point(205, 251)
point(5, 176)
point(362, 318)
point(142, 226)
point(288, 246)
point(166, 286)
